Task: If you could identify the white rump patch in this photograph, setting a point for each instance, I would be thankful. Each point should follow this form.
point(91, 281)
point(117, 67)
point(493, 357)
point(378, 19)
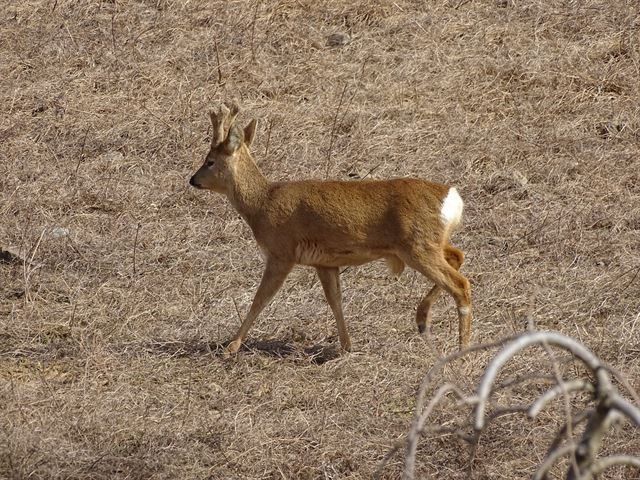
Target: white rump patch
point(451, 211)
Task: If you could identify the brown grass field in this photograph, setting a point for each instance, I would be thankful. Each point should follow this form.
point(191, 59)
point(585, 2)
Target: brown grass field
point(131, 282)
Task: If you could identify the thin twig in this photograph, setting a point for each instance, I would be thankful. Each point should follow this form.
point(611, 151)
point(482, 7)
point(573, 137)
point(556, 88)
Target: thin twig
point(472, 454)
point(253, 31)
point(550, 460)
point(520, 379)
point(562, 388)
point(422, 392)
point(81, 156)
point(29, 266)
point(113, 28)
point(333, 130)
point(235, 305)
point(565, 387)
point(515, 346)
point(602, 464)
point(624, 382)
point(215, 45)
point(578, 418)
point(268, 141)
point(418, 424)
point(135, 246)
point(187, 408)
point(630, 411)
point(383, 463)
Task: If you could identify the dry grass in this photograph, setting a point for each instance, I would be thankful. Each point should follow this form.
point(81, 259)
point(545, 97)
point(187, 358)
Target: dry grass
point(109, 338)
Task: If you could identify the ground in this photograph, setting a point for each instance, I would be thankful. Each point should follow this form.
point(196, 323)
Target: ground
point(126, 282)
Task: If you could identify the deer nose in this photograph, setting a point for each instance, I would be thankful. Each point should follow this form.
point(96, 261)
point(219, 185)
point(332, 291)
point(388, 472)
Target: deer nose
point(193, 183)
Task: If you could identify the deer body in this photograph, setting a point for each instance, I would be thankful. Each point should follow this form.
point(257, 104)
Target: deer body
point(330, 224)
point(333, 224)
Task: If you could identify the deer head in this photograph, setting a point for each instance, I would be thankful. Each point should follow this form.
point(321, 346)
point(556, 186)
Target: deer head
point(229, 148)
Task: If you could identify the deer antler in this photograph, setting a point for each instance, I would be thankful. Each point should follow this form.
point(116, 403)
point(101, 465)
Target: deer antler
point(222, 121)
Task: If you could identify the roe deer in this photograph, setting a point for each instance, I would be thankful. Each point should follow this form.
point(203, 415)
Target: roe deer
point(330, 224)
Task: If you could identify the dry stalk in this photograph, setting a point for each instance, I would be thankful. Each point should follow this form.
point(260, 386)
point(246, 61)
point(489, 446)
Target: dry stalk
point(333, 131)
point(29, 266)
point(253, 30)
point(219, 65)
point(135, 247)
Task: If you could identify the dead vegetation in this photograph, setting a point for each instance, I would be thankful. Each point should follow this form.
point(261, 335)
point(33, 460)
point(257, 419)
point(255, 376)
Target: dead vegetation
point(600, 408)
point(123, 283)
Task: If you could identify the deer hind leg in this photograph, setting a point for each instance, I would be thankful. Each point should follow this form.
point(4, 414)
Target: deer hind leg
point(396, 266)
point(454, 257)
point(272, 279)
point(435, 265)
point(330, 279)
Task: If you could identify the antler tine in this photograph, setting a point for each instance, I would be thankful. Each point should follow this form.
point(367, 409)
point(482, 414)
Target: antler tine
point(214, 131)
point(234, 109)
point(218, 123)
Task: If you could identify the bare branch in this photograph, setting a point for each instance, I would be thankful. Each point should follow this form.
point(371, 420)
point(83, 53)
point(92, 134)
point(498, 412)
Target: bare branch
point(551, 458)
point(422, 391)
point(501, 412)
point(575, 421)
point(589, 445)
point(583, 463)
point(511, 349)
point(513, 381)
point(572, 386)
point(602, 464)
point(419, 421)
point(458, 432)
point(397, 446)
point(565, 395)
point(630, 411)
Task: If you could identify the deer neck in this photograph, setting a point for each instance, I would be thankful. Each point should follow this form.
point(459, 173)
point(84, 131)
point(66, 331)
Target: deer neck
point(248, 190)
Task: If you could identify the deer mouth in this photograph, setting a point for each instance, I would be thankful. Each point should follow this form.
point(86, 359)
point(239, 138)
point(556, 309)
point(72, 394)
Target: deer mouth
point(194, 183)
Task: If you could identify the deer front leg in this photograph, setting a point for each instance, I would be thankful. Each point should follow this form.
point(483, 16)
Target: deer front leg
point(272, 279)
point(330, 279)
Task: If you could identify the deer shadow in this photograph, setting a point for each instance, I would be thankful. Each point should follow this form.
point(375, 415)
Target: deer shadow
point(317, 354)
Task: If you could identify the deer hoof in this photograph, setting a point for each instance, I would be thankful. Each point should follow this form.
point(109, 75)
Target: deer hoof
point(232, 348)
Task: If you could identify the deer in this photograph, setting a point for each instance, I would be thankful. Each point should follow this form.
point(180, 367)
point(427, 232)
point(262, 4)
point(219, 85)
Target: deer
point(330, 224)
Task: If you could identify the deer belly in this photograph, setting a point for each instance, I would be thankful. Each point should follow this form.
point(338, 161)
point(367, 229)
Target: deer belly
point(310, 253)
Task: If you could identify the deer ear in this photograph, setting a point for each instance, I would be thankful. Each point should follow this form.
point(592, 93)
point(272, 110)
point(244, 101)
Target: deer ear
point(250, 132)
point(234, 139)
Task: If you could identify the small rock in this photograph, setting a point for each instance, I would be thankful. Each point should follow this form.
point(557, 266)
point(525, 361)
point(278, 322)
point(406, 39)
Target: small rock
point(113, 156)
point(338, 40)
point(57, 232)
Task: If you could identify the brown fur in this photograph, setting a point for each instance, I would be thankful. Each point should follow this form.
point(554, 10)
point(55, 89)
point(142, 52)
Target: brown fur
point(329, 224)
